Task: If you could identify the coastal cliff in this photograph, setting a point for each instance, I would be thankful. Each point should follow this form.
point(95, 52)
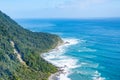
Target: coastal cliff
point(20, 51)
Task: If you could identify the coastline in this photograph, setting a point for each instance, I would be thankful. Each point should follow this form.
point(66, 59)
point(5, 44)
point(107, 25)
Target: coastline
point(63, 68)
point(64, 64)
point(54, 76)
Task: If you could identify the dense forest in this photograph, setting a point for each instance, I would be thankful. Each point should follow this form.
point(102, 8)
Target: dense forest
point(29, 45)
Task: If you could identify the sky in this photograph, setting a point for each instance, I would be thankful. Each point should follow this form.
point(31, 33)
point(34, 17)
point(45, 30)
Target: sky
point(61, 8)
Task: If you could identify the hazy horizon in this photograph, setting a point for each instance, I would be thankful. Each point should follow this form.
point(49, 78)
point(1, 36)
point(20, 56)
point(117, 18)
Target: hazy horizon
point(64, 9)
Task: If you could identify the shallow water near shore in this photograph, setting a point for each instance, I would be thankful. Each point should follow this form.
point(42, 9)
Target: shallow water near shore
point(92, 51)
point(57, 58)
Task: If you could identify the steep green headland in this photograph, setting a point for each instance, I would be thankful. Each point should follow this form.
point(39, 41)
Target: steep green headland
point(17, 42)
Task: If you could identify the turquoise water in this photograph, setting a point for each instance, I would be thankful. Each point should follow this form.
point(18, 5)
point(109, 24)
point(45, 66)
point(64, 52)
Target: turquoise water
point(98, 53)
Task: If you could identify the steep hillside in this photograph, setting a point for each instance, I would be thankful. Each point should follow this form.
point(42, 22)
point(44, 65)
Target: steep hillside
point(20, 51)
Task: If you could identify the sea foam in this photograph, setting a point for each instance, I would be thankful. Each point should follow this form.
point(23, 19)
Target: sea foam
point(65, 63)
point(97, 76)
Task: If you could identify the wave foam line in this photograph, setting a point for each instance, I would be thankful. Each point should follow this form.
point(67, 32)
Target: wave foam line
point(97, 76)
point(65, 63)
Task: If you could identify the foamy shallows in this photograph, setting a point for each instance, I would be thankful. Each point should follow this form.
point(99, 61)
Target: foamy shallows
point(97, 76)
point(65, 63)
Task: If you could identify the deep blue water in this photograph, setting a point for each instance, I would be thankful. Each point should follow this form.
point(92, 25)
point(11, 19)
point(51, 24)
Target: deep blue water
point(100, 50)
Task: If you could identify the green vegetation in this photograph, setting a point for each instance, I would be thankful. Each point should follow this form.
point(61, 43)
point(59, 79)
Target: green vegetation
point(30, 45)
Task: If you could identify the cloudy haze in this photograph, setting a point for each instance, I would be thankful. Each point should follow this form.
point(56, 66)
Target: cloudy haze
point(61, 8)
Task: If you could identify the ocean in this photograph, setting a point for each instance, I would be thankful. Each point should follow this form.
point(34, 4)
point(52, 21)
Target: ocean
point(93, 49)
